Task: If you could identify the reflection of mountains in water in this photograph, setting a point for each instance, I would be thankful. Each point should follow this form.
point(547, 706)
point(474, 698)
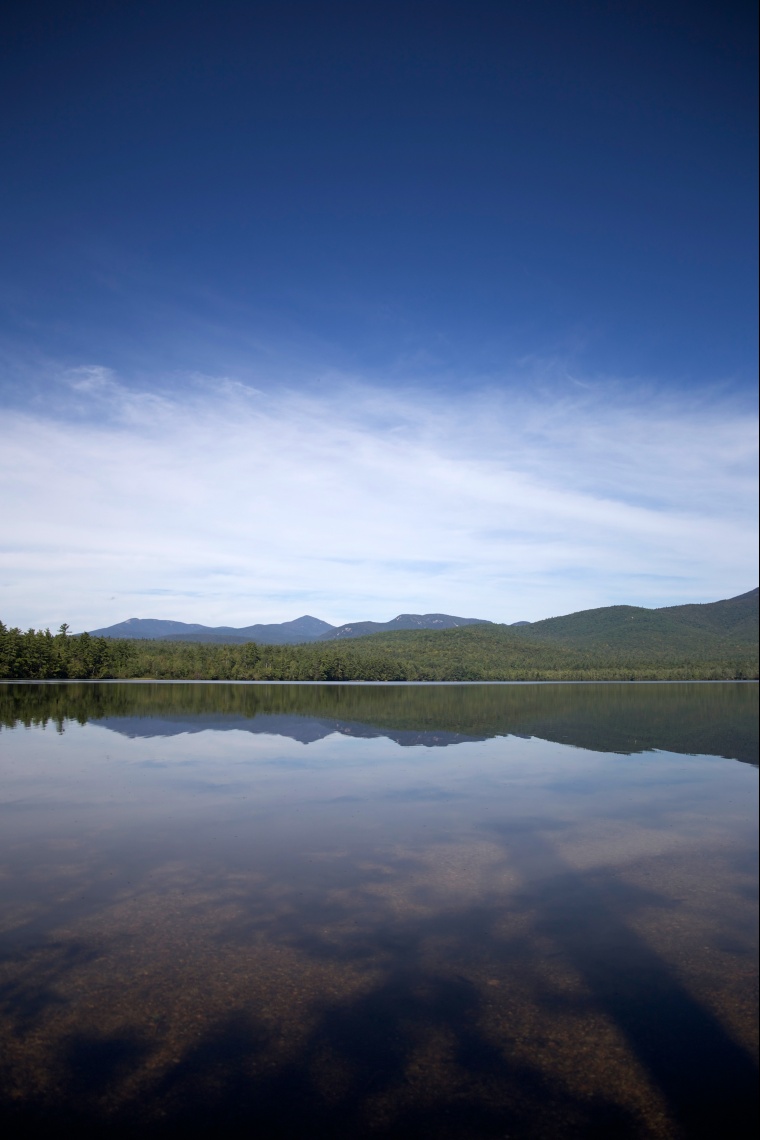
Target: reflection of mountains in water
point(716, 719)
point(304, 729)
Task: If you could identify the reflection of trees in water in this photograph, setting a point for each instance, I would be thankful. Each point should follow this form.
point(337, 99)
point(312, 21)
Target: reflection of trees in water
point(383, 1016)
point(698, 718)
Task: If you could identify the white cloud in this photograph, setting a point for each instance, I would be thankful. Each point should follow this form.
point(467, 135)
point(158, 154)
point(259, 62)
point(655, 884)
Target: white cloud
point(225, 504)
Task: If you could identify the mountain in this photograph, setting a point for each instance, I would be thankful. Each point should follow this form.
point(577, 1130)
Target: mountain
point(403, 621)
point(717, 641)
point(721, 627)
point(295, 632)
point(148, 629)
point(301, 629)
point(729, 616)
point(691, 628)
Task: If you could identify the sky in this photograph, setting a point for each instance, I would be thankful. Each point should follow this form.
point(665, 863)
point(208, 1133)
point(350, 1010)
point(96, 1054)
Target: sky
point(362, 308)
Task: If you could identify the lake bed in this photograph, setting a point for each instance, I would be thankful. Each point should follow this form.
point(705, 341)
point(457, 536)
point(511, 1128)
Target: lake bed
point(451, 911)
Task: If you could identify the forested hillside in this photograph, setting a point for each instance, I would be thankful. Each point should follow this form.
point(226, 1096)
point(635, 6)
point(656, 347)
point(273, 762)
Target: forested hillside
point(470, 653)
point(725, 626)
point(403, 621)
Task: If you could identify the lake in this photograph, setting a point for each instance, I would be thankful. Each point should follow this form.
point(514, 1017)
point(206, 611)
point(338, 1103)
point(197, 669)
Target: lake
point(444, 911)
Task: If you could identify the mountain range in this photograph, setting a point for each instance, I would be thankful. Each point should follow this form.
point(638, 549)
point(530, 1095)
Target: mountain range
point(686, 628)
point(298, 631)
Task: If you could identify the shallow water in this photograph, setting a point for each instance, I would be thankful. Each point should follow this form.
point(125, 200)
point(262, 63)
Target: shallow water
point(353, 910)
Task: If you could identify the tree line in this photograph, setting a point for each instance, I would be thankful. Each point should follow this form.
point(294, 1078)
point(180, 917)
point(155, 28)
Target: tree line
point(471, 653)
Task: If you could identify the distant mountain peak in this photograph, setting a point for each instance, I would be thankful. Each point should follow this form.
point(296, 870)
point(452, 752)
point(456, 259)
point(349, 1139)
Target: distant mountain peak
point(587, 627)
point(401, 621)
point(305, 628)
point(301, 629)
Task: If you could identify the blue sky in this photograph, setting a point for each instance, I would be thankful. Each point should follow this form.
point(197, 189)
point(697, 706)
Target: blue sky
point(367, 307)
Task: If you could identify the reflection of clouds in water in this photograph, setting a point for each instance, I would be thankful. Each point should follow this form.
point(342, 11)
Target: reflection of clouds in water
point(188, 779)
point(471, 971)
point(446, 942)
point(412, 794)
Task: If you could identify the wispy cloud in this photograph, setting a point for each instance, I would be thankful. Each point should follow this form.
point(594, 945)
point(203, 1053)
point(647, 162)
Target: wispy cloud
point(221, 502)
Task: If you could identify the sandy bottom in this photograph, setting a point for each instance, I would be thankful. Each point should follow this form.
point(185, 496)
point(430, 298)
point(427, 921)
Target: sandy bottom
point(469, 989)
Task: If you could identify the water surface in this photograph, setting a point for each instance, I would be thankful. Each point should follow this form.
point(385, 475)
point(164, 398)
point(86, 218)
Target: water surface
point(353, 910)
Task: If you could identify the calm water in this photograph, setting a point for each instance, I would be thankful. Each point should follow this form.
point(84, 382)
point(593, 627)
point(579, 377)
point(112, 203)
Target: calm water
point(383, 911)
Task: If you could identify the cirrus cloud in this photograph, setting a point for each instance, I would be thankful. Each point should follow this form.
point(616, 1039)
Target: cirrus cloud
point(228, 504)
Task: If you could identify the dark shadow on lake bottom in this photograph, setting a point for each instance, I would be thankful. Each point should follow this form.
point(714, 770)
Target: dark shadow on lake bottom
point(367, 994)
point(354, 1074)
point(708, 1082)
